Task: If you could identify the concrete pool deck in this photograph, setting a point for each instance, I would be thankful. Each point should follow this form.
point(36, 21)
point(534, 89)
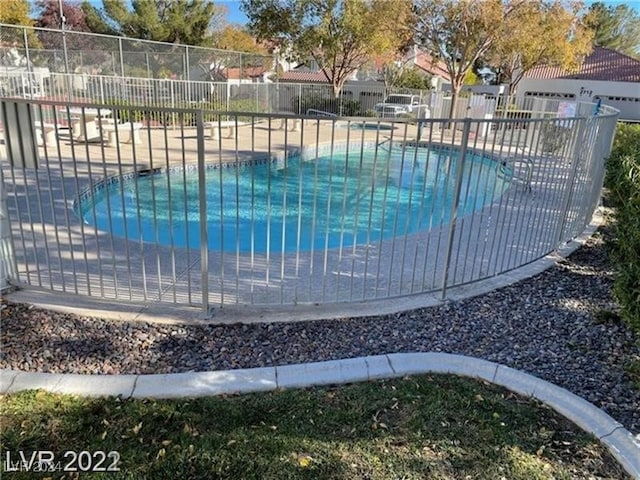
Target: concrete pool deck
point(152, 311)
point(79, 258)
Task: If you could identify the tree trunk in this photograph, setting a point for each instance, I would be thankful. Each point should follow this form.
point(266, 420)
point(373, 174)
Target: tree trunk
point(455, 90)
point(337, 88)
point(454, 100)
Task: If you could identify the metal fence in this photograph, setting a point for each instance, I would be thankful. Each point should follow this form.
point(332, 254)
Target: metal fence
point(89, 67)
point(257, 208)
point(83, 52)
point(356, 98)
point(93, 68)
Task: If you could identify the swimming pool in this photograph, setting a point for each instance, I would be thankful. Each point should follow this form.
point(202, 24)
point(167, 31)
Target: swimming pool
point(356, 196)
point(366, 126)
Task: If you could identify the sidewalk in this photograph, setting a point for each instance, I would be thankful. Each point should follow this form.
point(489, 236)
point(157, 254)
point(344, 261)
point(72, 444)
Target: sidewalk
point(620, 442)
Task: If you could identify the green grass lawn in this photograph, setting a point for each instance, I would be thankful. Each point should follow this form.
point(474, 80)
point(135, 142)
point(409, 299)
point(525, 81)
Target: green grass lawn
point(423, 427)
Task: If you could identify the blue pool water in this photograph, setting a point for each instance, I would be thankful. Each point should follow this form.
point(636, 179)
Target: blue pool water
point(370, 126)
point(335, 201)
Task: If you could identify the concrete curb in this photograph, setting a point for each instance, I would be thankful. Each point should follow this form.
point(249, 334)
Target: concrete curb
point(620, 442)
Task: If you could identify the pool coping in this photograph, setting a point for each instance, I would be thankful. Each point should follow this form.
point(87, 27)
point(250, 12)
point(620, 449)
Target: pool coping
point(277, 158)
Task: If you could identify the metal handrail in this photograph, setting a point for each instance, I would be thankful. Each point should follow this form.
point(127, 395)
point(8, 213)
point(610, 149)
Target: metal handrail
point(311, 111)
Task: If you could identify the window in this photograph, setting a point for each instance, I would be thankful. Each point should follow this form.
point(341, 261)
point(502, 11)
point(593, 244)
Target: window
point(617, 99)
point(549, 94)
point(371, 94)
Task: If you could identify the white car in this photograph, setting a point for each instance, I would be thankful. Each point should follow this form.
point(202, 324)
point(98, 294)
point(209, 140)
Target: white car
point(399, 104)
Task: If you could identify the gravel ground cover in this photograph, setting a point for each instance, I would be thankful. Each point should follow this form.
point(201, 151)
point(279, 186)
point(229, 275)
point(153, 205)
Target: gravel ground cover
point(559, 325)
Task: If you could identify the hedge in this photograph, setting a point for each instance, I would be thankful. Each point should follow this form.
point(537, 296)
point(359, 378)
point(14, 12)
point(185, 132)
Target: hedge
point(623, 182)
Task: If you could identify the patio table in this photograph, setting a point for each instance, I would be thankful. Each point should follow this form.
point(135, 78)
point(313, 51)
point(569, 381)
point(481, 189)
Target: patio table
point(83, 122)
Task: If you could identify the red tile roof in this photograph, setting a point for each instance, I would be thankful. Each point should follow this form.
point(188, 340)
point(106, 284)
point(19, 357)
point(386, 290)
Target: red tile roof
point(421, 60)
point(602, 64)
point(304, 76)
point(246, 72)
point(426, 62)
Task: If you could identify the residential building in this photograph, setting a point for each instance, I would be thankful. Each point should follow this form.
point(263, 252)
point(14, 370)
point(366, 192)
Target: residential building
point(606, 75)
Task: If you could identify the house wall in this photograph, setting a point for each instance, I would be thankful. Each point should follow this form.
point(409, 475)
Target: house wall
point(624, 96)
point(368, 93)
point(492, 90)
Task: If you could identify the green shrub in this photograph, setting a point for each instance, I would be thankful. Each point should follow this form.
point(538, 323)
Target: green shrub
point(248, 105)
point(245, 105)
point(623, 182)
point(154, 116)
point(350, 108)
point(136, 114)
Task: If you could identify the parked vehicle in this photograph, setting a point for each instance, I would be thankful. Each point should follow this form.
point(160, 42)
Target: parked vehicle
point(398, 105)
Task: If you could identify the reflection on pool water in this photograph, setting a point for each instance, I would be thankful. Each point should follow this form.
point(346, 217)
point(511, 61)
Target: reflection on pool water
point(333, 201)
point(367, 126)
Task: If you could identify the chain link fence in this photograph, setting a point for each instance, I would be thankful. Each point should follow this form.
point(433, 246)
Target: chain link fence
point(94, 68)
point(89, 53)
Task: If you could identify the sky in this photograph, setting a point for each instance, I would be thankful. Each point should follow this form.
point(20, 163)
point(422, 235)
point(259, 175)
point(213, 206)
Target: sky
point(235, 15)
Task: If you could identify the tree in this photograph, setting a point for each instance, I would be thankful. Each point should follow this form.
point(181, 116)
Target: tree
point(244, 54)
point(237, 38)
point(49, 17)
point(458, 33)
point(616, 27)
point(181, 22)
point(471, 78)
point(96, 20)
point(185, 22)
point(16, 12)
point(539, 32)
point(75, 20)
point(340, 35)
point(403, 76)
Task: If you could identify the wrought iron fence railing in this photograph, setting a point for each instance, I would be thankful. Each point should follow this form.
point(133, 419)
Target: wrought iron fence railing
point(226, 208)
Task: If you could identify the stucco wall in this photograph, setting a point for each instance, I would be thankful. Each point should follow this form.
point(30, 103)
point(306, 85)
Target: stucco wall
point(625, 96)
